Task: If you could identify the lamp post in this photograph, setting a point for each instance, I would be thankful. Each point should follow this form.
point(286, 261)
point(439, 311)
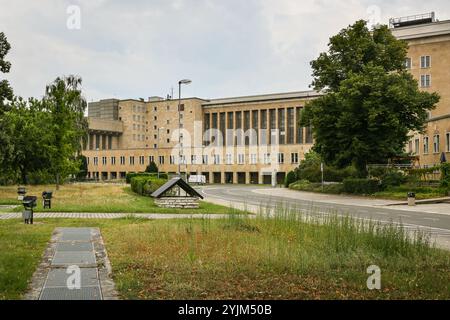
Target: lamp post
point(184, 81)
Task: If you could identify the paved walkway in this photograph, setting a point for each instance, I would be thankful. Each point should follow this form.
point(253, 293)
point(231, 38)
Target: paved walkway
point(92, 215)
point(75, 266)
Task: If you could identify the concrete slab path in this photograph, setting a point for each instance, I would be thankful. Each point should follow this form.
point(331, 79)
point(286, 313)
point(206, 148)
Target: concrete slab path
point(75, 266)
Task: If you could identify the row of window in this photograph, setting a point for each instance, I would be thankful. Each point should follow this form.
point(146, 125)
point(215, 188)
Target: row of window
point(436, 144)
point(216, 159)
point(425, 62)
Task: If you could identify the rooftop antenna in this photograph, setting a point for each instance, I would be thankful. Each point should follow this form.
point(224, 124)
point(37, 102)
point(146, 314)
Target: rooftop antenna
point(171, 92)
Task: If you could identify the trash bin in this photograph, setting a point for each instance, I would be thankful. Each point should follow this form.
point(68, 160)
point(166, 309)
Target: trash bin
point(29, 202)
point(411, 199)
point(21, 191)
point(47, 199)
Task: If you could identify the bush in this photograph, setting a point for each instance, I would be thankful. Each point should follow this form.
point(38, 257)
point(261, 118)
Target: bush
point(305, 185)
point(131, 175)
point(445, 175)
point(152, 168)
point(146, 185)
point(309, 169)
point(290, 178)
point(361, 186)
point(392, 179)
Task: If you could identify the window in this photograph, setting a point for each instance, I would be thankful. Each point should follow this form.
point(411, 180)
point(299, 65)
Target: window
point(425, 80)
point(241, 158)
point(294, 157)
point(168, 131)
point(416, 145)
point(216, 159)
point(447, 142)
point(425, 145)
point(168, 140)
point(87, 160)
point(141, 159)
point(155, 108)
point(172, 159)
point(132, 160)
point(155, 146)
point(155, 118)
point(408, 63)
point(205, 159)
point(267, 158)
point(113, 161)
point(436, 143)
point(193, 159)
point(182, 107)
point(253, 158)
point(281, 158)
point(104, 161)
point(122, 160)
point(228, 158)
point(151, 159)
point(161, 159)
point(95, 161)
point(425, 62)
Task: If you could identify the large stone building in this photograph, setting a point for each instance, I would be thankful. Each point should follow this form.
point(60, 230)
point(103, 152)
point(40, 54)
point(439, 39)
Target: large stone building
point(234, 140)
point(429, 60)
point(251, 139)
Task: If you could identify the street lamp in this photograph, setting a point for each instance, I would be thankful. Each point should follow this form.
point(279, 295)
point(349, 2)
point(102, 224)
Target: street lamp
point(184, 81)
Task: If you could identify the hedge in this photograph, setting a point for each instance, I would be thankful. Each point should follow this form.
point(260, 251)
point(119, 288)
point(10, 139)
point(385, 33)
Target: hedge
point(131, 175)
point(361, 186)
point(146, 185)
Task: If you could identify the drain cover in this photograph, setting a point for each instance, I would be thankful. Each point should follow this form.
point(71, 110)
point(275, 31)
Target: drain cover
point(74, 246)
point(59, 277)
point(73, 258)
point(86, 293)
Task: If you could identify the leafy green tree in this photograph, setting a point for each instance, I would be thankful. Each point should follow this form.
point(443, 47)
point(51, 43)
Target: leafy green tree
point(6, 96)
point(30, 135)
point(83, 167)
point(152, 167)
point(64, 101)
point(370, 101)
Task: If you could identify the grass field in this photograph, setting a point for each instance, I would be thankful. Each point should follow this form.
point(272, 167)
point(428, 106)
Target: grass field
point(106, 198)
point(243, 258)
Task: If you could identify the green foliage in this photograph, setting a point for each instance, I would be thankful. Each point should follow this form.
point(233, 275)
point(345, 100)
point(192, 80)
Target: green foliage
point(392, 178)
point(361, 186)
point(290, 178)
point(66, 106)
point(146, 185)
point(83, 167)
point(131, 175)
point(445, 175)
point(305, 185)
point(309, 169)
point(371, 102)
point(152, 168)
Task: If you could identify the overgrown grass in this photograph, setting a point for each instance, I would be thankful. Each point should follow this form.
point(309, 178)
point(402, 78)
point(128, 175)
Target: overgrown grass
point(282, 255)
point(106, 198)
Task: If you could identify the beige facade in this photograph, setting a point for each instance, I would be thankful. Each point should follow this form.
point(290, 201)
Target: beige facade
point(233, 140)
point(429, 61)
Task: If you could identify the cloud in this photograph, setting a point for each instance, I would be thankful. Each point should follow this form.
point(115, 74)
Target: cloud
point(141, 48)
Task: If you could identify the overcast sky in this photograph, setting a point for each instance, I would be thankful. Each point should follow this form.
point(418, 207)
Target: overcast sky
point(138, 48)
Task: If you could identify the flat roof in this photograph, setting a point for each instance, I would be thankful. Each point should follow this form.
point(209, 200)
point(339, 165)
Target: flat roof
point(263, 97)
point(425, 30)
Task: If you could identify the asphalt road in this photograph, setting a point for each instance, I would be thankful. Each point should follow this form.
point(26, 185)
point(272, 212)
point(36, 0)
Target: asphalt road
point(438, 225)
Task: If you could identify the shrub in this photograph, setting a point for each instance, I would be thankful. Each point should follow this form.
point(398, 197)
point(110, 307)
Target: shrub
point(146, 185)
point(392, 178)
point(309, 169)
point(290, 178)
point(445, 175)
point(131, 175)
point(152, 168)
point(361, 186)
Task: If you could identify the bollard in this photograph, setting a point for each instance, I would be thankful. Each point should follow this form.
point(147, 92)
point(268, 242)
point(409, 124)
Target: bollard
point(411, 199)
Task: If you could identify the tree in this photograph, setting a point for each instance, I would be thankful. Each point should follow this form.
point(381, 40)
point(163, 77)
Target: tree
point(370, 101)
point(30, 136)
point(64, 100)
point(152, 167)
point(6, 96)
